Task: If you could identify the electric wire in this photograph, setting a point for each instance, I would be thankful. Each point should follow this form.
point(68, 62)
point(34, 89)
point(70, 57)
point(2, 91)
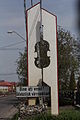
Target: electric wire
point(10, 49)
point(6, 74)
point(10, 45)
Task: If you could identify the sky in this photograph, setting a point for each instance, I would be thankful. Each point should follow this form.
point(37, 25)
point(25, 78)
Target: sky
point(12, 18)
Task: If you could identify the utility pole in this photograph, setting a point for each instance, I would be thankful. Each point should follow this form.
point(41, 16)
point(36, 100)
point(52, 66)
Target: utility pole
point(25, 10)
point(26, 33)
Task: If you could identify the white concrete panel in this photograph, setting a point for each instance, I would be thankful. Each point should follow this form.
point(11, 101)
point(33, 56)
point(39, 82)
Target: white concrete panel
point(49, 34)
point(34, 73)
point(50, 73)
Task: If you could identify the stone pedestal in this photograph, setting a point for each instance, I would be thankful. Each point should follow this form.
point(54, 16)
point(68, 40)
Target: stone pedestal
point(32, 101)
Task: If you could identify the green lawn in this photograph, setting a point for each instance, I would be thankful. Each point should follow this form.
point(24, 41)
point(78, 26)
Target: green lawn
point(65, 113)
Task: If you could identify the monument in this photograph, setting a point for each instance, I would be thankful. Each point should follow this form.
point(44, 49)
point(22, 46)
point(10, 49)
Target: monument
point(42, 51)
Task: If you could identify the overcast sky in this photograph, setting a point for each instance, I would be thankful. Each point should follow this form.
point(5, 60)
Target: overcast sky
point(12, 18)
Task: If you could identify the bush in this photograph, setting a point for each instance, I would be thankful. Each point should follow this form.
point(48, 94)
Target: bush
point(68, 114)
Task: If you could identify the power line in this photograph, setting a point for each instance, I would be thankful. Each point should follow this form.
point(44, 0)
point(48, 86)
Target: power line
point(7, 74)
point(3, 49)
point(12, 44)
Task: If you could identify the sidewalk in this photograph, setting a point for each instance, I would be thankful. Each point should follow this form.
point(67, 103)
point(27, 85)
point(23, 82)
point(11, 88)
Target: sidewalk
point(9, 114)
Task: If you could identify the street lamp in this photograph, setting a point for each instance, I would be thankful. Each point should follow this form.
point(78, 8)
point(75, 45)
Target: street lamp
point(11, 32)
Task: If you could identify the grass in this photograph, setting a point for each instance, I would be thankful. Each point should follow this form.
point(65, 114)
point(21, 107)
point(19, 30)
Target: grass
point(69, 114)
point(64, 114)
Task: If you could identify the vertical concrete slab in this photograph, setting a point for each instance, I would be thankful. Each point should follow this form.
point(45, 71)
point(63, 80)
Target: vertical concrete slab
point(50, 73)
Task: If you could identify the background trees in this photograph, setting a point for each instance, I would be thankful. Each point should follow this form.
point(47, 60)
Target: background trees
point(78, 84)
point(22, 67)
point(67, 60)
point(72, 83)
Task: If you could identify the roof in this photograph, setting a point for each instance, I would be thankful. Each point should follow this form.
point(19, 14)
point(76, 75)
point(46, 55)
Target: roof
point(6, 84)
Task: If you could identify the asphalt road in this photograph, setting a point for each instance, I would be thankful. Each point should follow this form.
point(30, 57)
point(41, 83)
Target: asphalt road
point(8, 107)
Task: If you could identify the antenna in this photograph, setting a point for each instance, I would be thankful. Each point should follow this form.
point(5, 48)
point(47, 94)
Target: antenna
point(31, 2)
point(41, 35)
point(41, 26)
point(40, 3)
point(41, 12)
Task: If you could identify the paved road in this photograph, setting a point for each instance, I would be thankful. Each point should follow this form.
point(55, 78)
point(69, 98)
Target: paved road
point(7, 106)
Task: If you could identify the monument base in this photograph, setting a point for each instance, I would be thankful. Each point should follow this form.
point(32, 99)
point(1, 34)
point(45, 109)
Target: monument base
point(32, 101)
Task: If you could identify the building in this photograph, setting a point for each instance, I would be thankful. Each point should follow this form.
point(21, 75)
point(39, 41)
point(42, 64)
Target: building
point(7, 86)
